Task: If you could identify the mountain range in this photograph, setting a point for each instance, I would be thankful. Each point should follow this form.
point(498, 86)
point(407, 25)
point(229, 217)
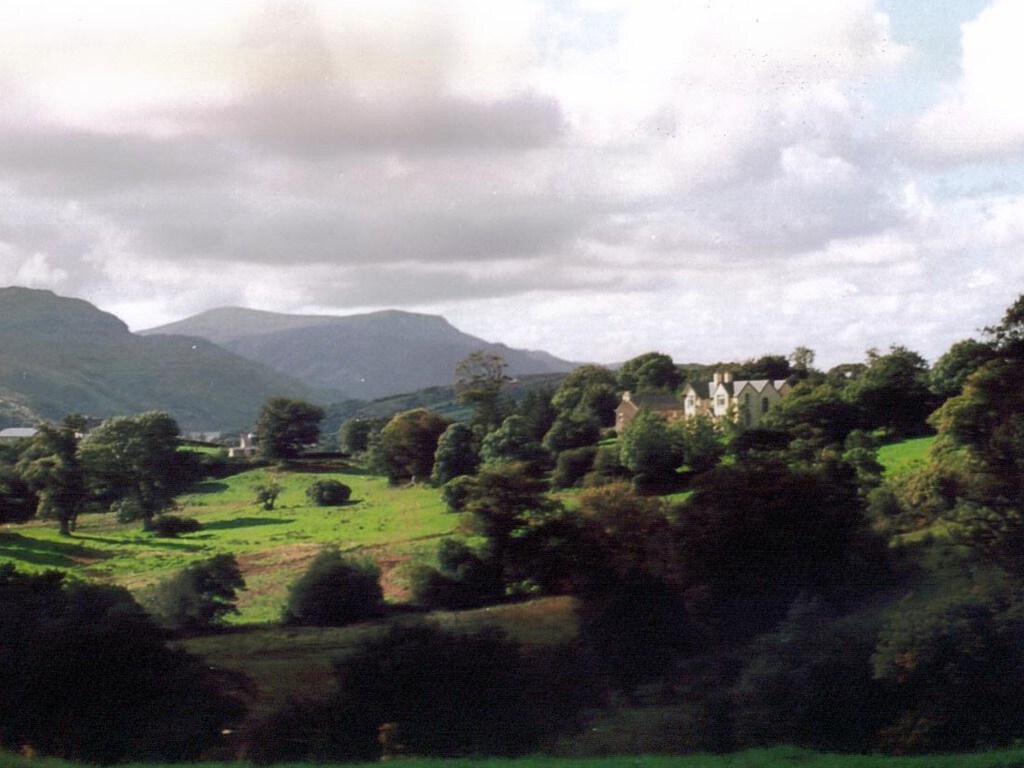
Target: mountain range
point(364, 357)
point(60, 355)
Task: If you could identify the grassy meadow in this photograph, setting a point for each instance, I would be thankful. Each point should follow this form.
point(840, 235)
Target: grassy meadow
point(902, 458)
point(388, 525)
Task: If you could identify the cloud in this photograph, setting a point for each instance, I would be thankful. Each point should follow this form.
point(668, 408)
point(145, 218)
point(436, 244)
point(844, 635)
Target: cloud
point(594, 177)
point(983, 117)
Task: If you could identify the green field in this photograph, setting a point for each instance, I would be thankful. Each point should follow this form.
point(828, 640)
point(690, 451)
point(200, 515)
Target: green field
point(388, 525)
point(905, 457)
point(779, 757)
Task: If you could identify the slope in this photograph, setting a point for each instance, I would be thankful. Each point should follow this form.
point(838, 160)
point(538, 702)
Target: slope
point(61, 355)
point(364, 356)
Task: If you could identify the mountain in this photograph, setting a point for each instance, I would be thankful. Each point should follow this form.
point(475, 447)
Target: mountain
point(60, 355)
point(364, 356)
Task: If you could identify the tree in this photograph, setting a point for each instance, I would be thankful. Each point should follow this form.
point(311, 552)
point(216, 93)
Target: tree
point(405, 447)
point(135, 460)
point(701, 440)
point(199, 595)
point(267, 493)
point(588, 389)
point(648, 447)
point(575, 429)
point(502, 501)
point(51, 468)
point(810, 684)
point(537, 411)
point(455, 455)
point(17, 499)
point(893, 392)
point(982, 431)
point(957, 666)
point(333, 592)
point(802, 360)
point(773, 367)
point(512, 442)
point(85, 675)
point(284, 427)
point(649, 371)
point(479, 379)
point(818, 415)
point(354, 434)
point(950, 372)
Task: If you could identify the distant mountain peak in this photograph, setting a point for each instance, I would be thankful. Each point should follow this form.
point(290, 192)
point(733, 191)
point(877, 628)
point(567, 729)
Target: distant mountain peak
point(365, 356)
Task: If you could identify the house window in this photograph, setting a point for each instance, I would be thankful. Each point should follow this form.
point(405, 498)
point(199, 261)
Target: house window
point(764, 405)
point(721, 401)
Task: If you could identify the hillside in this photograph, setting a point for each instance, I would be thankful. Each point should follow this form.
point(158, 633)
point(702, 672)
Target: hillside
point(364, 356)
point(61, 355)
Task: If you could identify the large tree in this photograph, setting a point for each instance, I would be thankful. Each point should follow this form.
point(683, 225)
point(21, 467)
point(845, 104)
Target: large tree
point(982, 430)
point(893, 392)
point(285, 426)
point(51, 468)
point(651, 371)
point(405, 447)
point(479, 379)
point(134, 462)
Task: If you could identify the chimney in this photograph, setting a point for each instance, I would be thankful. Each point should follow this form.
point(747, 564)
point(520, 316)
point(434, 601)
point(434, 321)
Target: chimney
point(717, 378)
point(728, 377)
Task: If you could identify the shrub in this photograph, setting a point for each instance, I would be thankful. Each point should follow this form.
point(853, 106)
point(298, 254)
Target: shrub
point(85, 675)
point(266, 494)
point(456, 492)
point(449, 694)
point(199, 595)
point(328, 493)
point(170, 526)
point(333, 592)
point(462, 580)
point(572, 466)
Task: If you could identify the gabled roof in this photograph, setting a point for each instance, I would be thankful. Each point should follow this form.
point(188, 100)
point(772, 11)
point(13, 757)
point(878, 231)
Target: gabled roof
point(655, 401)
point(701, 389)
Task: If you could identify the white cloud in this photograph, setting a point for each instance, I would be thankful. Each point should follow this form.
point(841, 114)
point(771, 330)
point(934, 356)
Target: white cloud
point(983, 117)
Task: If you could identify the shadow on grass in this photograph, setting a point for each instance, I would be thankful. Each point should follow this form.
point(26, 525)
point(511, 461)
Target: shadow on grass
point(209, 486)
point(246, 522)
point(54, 554)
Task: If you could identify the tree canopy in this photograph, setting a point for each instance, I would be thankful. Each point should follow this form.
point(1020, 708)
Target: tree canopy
point(284, 427)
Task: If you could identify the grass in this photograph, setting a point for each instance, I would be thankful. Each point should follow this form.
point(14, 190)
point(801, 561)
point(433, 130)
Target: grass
point(900, 459)
point(391, 526)
point(295, 662)
point(777, 757)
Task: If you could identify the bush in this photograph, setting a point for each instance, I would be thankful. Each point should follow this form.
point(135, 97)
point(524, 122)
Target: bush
point(328, 493)
point(170, 526)
point(199, 595)
point(333, 592)
point(447, 694)
point(456, 492)
point(572, 466)
point(463, 579)
point(266, 495)
point(85, 675)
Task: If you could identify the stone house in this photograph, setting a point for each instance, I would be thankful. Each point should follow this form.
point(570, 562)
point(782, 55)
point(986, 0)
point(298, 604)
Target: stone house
point(744, 401)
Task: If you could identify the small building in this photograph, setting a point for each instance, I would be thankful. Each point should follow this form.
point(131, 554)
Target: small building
point(664, 406)
point(246, 447)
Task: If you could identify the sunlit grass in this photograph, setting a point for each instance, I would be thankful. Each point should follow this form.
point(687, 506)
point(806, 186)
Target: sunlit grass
point(389, 525)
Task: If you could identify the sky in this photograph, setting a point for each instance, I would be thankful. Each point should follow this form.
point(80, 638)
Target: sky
point(711, 179)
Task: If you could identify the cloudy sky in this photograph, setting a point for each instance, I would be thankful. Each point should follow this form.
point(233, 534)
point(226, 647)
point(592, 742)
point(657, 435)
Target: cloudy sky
point(597, 178)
